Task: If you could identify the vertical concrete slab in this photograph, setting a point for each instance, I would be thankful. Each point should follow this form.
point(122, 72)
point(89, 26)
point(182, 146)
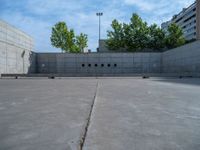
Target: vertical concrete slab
point(183, 60)
point(102, 63)
point(15, 43)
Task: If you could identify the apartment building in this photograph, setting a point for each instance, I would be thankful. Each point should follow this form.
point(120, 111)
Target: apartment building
point(188, 20)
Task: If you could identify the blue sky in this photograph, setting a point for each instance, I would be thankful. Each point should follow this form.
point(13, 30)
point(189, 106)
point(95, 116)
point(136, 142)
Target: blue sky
point(36, 17)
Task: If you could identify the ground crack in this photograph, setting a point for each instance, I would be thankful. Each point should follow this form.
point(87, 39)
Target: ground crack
point(83, 138)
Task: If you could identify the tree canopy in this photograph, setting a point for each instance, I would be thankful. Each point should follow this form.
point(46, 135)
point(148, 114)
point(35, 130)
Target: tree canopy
point(81, 41)
point(138, 36)
point(116, 37)
point(175, 36)
point(156, 40)
point(66, 40)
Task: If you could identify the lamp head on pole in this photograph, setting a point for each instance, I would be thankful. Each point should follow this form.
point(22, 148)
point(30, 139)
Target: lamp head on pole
point(99, 14)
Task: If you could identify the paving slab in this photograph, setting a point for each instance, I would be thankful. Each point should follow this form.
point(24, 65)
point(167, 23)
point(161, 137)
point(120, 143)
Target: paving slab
point(150, 114)
point(44, 114)
point(128, 113)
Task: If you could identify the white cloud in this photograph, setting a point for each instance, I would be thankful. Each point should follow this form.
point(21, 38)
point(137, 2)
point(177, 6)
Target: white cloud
point(79, 15)
point(152, 5)
point(75, 15)
point(141, 4)
point(37, 17)
point(38, 30)
point(158, 11)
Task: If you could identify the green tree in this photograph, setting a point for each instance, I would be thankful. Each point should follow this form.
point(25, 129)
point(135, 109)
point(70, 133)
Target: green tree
point(116, 36)
point(59, 36)
point(81, 41)
point(65, 38)
point(156, 39)
point(132, 36)
point(136, 34)
point(174, 36)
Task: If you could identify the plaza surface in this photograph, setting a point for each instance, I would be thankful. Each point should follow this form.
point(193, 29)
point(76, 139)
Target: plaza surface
point(100, 114)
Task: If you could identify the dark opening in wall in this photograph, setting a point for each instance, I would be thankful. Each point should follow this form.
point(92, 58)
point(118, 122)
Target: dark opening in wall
point(108, 65)
point(96, 65)
point(102, 65)
point(115, 65)
point(89, 65)
point(83, 65)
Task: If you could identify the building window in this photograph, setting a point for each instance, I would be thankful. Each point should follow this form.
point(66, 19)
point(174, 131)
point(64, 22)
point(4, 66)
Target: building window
point(115, 65)
point(83, 65)
point(102, 65)
point(89, 65)
point(108, 65)
point(189, 18)
point(96, 65)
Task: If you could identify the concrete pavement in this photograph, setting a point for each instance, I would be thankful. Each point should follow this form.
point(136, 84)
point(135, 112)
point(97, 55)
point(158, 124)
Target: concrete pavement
point(154, 114)
point(128, 113)
point(42, 114)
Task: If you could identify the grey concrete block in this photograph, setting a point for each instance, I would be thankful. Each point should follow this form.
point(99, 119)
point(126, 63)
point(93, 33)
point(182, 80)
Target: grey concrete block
point(105, 59)
point(127, 60)
point(116, 59)
point(83, 59)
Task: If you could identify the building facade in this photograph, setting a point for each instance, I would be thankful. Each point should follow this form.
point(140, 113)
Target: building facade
point(198, 19)
point(188, 20)
point(15, 50)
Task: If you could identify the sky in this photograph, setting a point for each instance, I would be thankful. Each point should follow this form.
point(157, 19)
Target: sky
point(36, 17)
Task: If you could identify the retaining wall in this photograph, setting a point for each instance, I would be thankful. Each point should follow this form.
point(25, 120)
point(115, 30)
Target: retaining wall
point(11, 60)
point(99, 63)
point(16, 54)
point(184, 60)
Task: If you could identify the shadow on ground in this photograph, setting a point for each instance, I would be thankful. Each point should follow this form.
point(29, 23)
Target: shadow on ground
point(189, 81)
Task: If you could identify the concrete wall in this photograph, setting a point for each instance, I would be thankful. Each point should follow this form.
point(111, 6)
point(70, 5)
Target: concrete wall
point(102, 47)
point(13, 44)
point(184, 60)
point(99, 64)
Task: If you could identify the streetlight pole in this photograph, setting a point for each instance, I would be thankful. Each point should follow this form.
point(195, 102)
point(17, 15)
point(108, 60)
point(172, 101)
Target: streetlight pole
point(99, 14)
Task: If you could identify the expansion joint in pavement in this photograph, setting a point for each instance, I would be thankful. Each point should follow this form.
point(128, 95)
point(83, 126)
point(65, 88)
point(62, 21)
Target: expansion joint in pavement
point(82, 141)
